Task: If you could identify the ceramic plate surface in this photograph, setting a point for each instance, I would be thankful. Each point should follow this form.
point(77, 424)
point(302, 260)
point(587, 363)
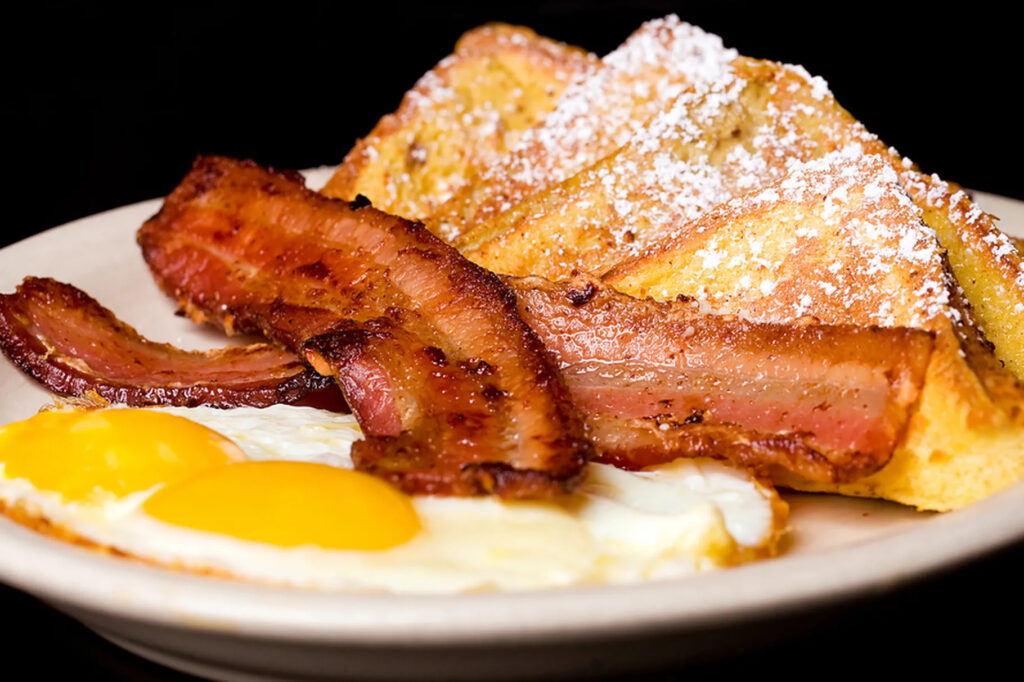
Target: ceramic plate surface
point(838, 548)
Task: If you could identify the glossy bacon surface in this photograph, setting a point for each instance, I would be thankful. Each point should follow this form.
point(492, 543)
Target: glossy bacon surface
point(454, 392)
point(660, 380)
point(71, 344)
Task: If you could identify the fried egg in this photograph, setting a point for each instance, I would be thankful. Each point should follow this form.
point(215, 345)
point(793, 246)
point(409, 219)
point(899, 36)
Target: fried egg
point(270, 495)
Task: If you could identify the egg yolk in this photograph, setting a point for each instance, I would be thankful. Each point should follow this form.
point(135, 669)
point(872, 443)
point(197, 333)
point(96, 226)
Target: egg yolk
point(91, 455)
point(290, 504)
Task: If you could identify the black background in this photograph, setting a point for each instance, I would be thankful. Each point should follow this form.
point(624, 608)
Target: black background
point(108, 105)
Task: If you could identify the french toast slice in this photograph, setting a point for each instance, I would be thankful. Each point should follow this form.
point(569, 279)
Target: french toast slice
point(966, 439)
point(593, 118)
point(468, 110)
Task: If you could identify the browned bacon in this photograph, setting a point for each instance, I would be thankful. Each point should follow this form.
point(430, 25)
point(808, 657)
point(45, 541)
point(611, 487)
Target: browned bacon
point(454, 392)
point(660, 380)
point(655, 380)
point(72, 345)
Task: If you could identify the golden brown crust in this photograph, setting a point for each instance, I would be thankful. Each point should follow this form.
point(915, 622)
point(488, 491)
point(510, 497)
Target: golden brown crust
point(837, 238)
point(987, 264)
point(462, 114)
point(615, 211)
point(699, 151)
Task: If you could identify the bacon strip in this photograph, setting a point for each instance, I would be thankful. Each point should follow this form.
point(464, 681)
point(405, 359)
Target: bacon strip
point(656, 380)
point(660, 380)
point(72, 345)
point(454, 392)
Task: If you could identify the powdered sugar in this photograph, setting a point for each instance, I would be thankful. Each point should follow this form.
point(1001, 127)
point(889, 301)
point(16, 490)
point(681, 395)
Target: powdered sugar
point(595, 116)
point(406, 166)
point(819, 88)
point(666, 176)
point(975, 230)
point(846, 195)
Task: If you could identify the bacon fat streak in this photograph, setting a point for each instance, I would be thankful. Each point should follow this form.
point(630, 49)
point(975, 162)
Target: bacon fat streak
point(659, 380)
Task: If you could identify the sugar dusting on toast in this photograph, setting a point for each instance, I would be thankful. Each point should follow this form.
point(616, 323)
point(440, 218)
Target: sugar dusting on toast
point(977, 228)
point(594, 116)
point(884, 269)
point(659, 61)
point(745, 129)
point(682, 172)
point(466, 111)
point(753, 126)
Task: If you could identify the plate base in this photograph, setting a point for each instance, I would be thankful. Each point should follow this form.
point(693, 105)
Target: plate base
point(235, 659)
point(181, 664)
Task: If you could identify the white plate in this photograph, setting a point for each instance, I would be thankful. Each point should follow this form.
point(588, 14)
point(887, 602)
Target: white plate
point(839, 548)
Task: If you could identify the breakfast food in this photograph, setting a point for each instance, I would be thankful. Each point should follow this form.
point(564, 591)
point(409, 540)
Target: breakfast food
point(819, 253)
point(464, 113)
point(256, 279)
point(653, 381)
point(660, 380)
point(753, 119)
point(642, 215)
point(595, 116)
point(279, 503)
point(69, 342)
point(456, 396)
point(625, 267)
point(739, 134)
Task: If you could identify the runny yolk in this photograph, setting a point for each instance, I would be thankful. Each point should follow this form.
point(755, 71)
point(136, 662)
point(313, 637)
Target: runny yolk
point(90, 455)
point(290, 504)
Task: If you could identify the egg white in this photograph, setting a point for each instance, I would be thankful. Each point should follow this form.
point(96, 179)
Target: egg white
point(620, 526)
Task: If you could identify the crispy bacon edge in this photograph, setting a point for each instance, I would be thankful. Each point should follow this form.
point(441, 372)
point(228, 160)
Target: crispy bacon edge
point(659, 380)
point(454, 392)
point(67, 341)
